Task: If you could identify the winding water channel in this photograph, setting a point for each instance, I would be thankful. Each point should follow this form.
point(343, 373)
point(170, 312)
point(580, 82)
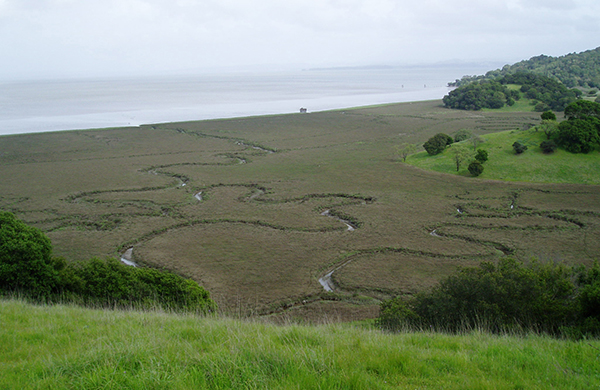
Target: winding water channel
point(127, 256)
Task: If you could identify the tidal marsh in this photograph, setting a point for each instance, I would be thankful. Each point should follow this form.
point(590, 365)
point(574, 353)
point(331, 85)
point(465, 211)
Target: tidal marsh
point(257, 240)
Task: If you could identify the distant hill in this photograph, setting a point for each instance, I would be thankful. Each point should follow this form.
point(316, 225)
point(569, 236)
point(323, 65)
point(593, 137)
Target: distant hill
point(544, 93)
point(573, 70)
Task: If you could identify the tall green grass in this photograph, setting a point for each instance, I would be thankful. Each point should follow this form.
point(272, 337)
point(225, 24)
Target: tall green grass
point(66, 347)
point(531, 166)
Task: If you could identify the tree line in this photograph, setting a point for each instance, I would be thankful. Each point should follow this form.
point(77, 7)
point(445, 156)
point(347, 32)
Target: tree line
point(572, 70)
point(547, 92)
point(28, 269)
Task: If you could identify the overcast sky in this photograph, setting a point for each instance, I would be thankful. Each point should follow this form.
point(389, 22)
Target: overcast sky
point(57, 38)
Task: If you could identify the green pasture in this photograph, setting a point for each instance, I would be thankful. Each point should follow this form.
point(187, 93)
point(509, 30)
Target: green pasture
point(531, 166)
point(65, 347)
point(237, 204)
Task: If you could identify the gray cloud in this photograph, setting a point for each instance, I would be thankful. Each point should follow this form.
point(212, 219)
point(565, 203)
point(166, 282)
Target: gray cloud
point(71, 37)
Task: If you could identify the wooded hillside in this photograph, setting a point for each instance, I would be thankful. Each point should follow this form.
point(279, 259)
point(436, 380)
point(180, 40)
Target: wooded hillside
point(573, 70)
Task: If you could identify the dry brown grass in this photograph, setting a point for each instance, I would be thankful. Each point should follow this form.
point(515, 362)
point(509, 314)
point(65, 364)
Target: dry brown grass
point(257, 241)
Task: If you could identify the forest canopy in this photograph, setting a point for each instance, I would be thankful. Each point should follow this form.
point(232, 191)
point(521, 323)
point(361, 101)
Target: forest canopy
point(549, 93)
point(572, 70)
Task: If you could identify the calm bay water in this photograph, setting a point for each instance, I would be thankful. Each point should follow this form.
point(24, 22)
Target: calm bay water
point(37, 106)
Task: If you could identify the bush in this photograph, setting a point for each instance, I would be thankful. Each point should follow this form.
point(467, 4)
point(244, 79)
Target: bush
point(548, 146)
point(25, 258)
point(509, 296)
point(394, 314)
point(475, 168)
point(27, 267)
point(462, 135)
point(437, 143)
point(482, 155)
point(577, 135)
point(109, 283)
point(519, 147)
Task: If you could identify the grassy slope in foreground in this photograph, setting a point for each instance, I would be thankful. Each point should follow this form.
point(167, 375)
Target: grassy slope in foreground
point(69, 347)
point(531, 166)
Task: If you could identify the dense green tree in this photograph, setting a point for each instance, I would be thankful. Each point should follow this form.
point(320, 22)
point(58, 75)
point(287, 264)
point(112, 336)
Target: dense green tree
point(577, 135)
point(482, 155)
point(582, 109)
point(25, 258)
point(478, 95)
point(437, 144)
point(475, 168)
point(548, 116)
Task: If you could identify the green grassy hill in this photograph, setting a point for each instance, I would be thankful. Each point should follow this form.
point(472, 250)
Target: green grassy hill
point(531, 166)
point(64, 347)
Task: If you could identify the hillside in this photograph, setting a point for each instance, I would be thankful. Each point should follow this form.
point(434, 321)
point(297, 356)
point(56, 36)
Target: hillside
point(64, 347)
point(573, 70)
point(531, 166)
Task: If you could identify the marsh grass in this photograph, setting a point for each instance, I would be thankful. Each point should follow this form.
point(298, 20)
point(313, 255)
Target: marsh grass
point(257, 239)
point(63, 347)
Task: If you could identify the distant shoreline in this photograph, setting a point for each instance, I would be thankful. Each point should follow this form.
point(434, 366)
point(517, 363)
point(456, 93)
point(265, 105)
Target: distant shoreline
point(124, 126)
point(60, 105)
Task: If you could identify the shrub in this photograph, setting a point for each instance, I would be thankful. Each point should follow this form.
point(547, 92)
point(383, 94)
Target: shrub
point(475, 168)
point(437, 143)
point(394, 314)
point(509, 296)
point(27, 267)
point(482, 155)
point(462, 135)
point(110, 283)
point(548, 146)
point(519, 147)
point(25, 258)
